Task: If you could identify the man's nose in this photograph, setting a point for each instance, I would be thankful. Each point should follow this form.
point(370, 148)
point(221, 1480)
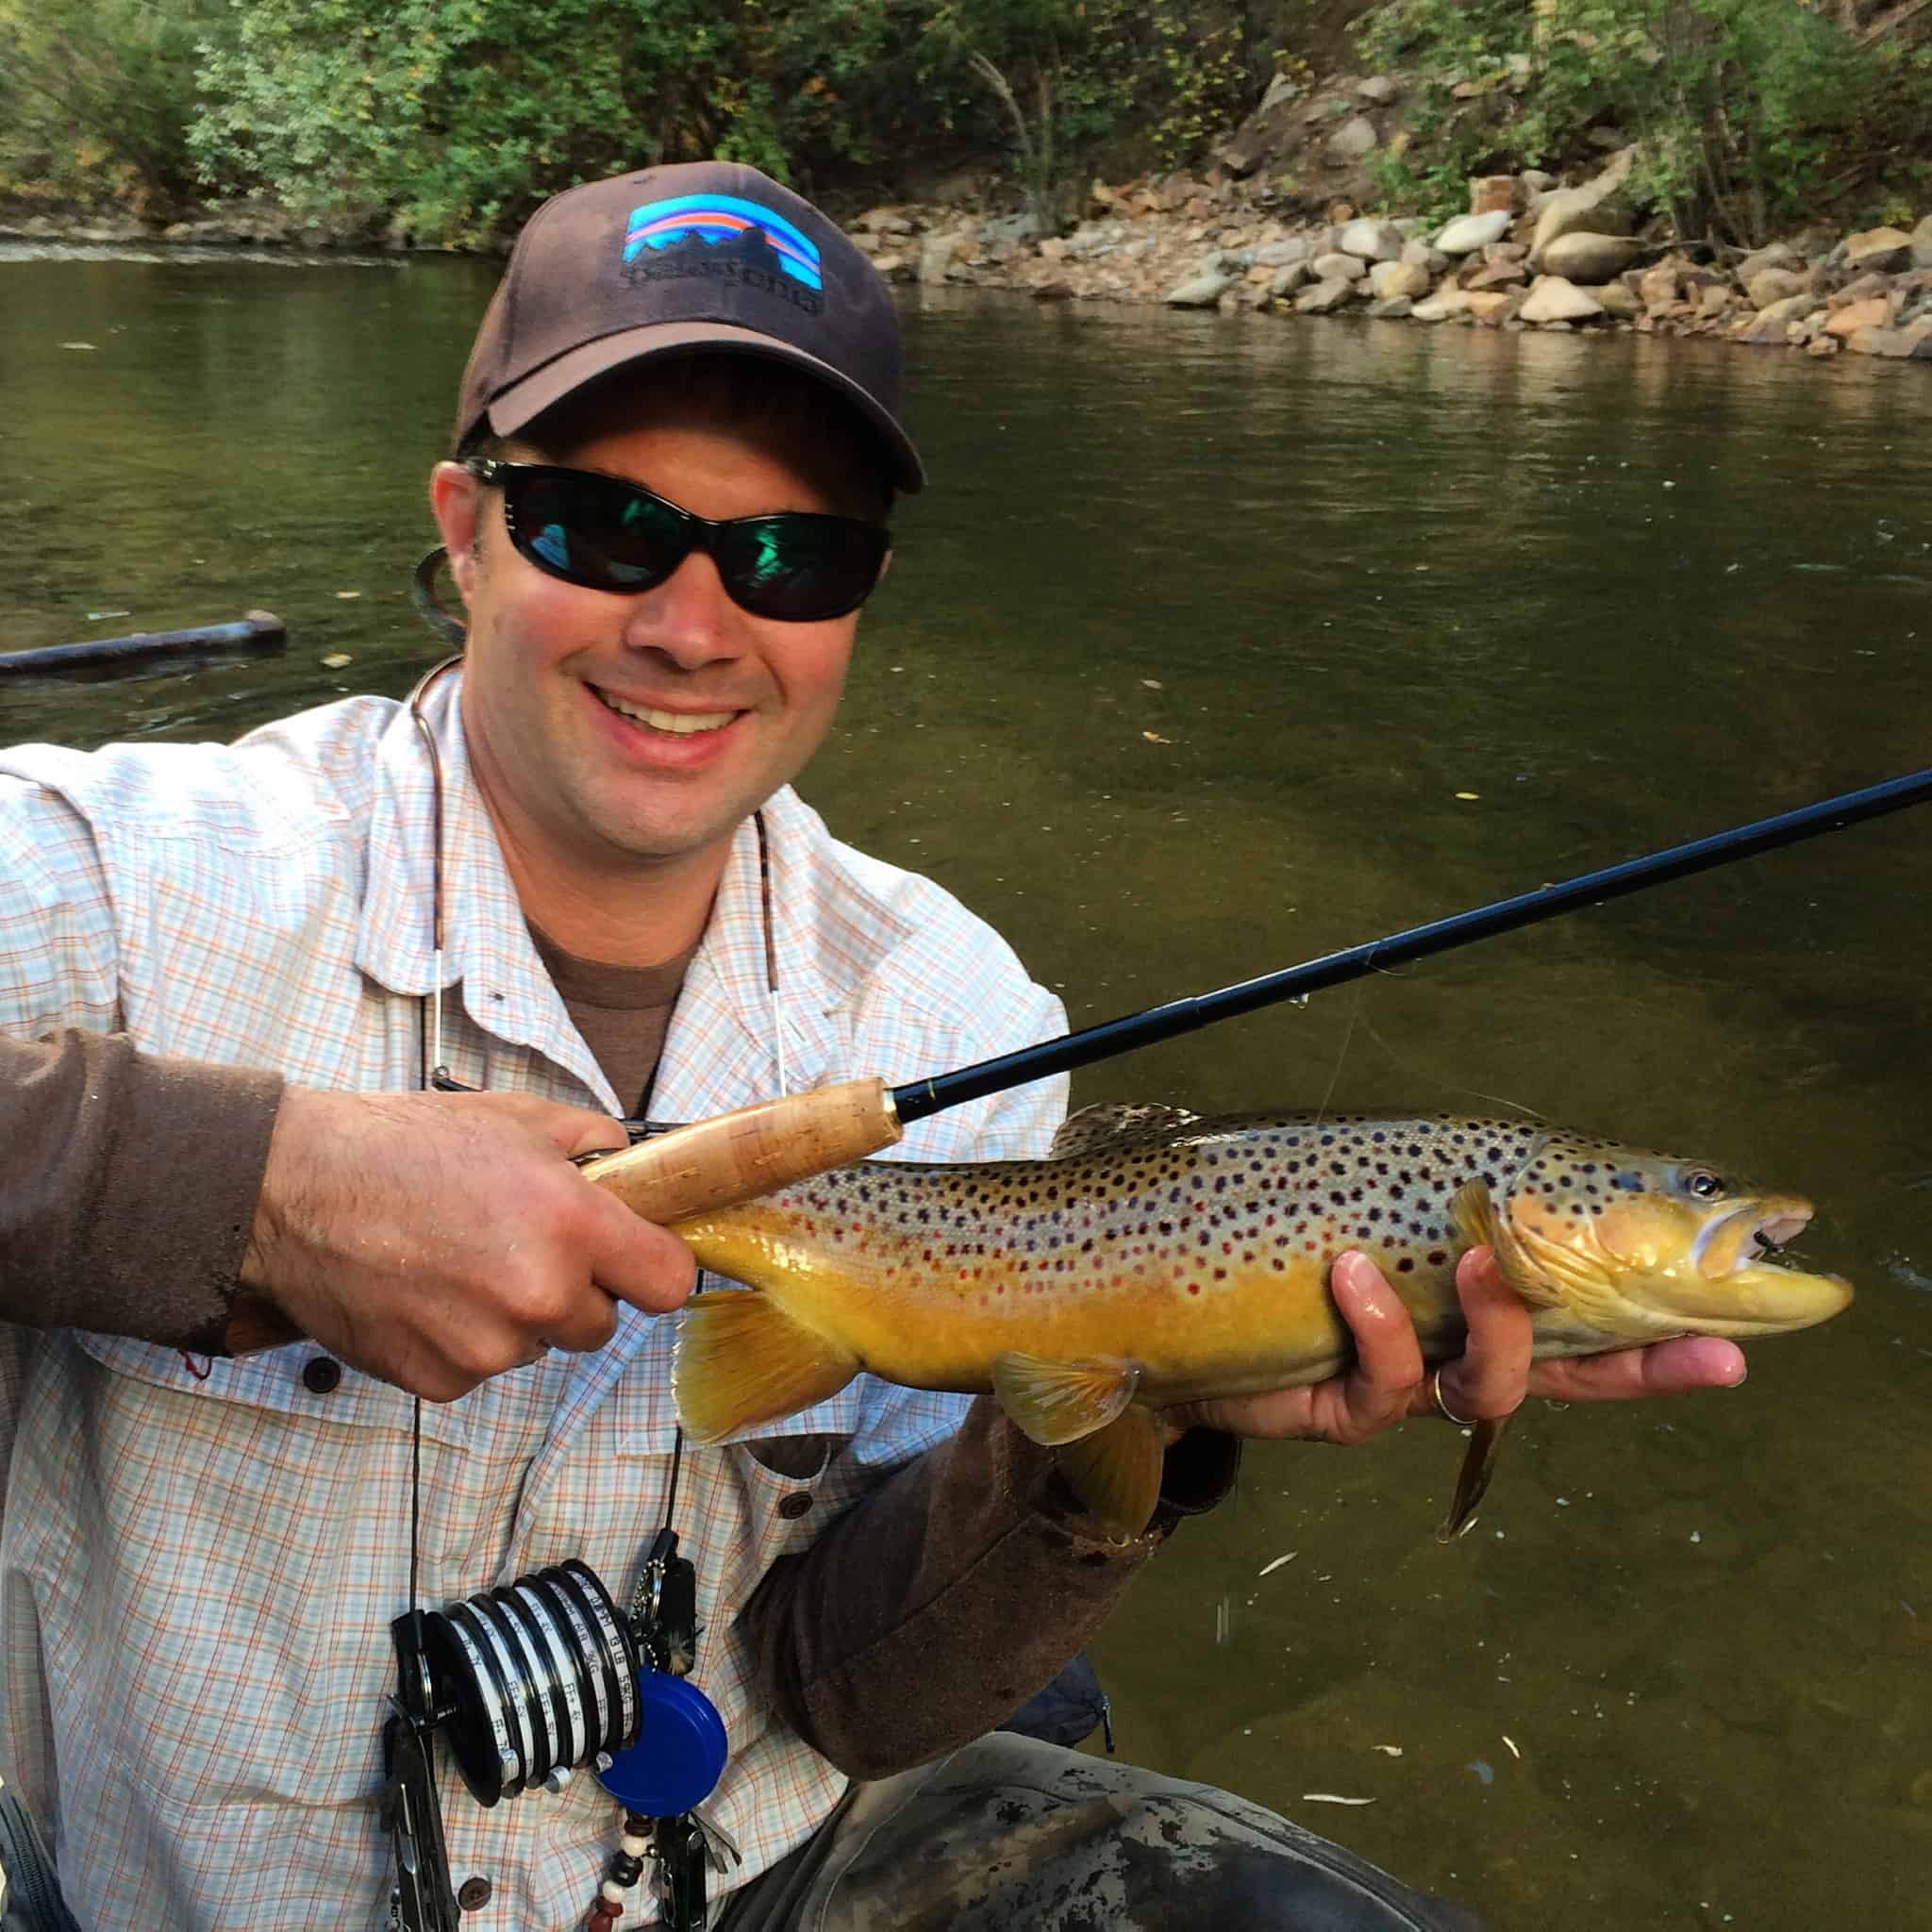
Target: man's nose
point(689, 618)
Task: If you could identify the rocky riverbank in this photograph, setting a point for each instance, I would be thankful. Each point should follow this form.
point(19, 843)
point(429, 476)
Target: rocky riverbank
point(1533, 252)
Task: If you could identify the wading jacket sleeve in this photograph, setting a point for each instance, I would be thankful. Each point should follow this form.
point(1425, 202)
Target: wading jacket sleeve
point(199, 1560)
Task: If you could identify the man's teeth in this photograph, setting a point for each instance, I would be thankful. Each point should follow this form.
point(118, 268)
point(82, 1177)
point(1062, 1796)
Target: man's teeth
point(681, 722)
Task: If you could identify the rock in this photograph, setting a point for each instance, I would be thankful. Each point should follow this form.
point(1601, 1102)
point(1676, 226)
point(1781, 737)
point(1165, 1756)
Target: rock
point(1536, 182)
point(1407, 281)
point(1339, 267)
point(1490, 309)
point(1582, 256)
point(1492, 275)
point(1279, 254)
point(1896, 344)
point(179, 231)
point(1822, 347)
point(1060, 291)
point(1619, 299)
point(883, 221)
point(1053, 248)
point(895, 267)
point(1371, 240)
point(1778, 255)
point(937, 254)
point(1863, 290)
point(1844, 322)
point(1921, 244)
point(1767, 328)
point(1378, 88)
point(1441, 306)
point(1596, 207)
point(1467, 233)
point(1494, 194)
point(1418, 251)
point(1885, 250)
point(1200, 290)
point(1324, 296)
point(1713, 299)
point(1553, 299)
point(1656, 288)
point(1773, 284)
point(1354, 139)
point(1394, 309)
point(1289, 277)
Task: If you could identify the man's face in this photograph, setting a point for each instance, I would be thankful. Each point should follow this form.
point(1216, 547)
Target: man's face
point(609, 732)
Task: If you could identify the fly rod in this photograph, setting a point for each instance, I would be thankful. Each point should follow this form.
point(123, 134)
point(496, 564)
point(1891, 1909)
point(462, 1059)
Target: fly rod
point(736, 1156)
point(258, 631)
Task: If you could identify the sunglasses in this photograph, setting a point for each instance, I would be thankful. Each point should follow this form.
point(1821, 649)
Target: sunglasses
point(605, 534)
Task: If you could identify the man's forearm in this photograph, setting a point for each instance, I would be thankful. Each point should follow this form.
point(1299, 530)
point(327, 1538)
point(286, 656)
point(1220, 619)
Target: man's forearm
point(128, 1187)
point(944, 1599)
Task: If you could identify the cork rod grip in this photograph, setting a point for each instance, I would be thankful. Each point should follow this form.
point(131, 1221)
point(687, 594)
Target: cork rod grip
point(736, 1156)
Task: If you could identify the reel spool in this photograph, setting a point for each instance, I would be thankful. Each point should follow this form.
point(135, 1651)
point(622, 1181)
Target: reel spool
point(533, 1682)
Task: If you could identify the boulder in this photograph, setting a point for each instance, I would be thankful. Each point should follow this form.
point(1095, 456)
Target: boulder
point(1582, 256)
point(1863, 290)
point(1061, 290)
point(1324, 296)
point(1896, 344)
point(1779, 255)
point(1467, 233)
point(1354, 139)
point(1597, 207)
point(937, 254)
point(1289, 277)
point(1494, 194)
point(1440, 305)
point(1279, 254)
point(1619, 299)
point(1492, 308)
point(1392, 308)
point(1336, 266)
point(1378, 88)
point(1656, 288)
point(1875, 313)
point(1493, 275)
point(1553, 299)
point(1405, 280)
point(1885, 250)
point(1822, 346)
point(1921, 244)
point(1769, 285)
point(1202, 290)
point(1766, 329)
point(1418, 251)
point(1371, 240)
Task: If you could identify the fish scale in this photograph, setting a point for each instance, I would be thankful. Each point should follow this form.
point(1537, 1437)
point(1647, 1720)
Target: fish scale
point(1157, 1257)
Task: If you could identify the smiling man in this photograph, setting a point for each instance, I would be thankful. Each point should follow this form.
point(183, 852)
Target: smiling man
point(571, 875)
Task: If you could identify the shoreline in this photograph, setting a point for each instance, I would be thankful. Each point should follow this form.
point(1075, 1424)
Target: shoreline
point(1531, 253)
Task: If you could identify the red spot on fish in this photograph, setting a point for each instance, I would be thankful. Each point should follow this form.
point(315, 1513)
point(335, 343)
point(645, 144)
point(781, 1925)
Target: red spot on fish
point(1194, 1287)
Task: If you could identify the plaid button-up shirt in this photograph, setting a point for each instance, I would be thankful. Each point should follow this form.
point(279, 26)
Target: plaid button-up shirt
point(199, 1574)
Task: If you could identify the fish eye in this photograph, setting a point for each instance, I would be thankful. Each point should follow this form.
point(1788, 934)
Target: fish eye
point(1704, 1185)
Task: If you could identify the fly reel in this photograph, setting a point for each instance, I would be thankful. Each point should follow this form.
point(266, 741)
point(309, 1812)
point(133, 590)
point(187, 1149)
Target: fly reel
point(527, 1683)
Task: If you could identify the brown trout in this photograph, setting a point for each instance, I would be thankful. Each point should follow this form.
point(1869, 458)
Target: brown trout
point(1159, 1257)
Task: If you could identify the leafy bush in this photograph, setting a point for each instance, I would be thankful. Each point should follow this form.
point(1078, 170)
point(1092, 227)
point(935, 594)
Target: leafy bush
point(1748, 112)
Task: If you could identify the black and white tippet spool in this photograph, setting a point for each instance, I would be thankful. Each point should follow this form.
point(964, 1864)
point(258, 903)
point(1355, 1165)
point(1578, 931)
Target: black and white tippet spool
point(534, 1681)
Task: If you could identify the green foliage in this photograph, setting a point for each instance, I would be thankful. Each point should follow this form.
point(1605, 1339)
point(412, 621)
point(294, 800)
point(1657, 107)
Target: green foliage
point(1748, 112)
point(96, 101)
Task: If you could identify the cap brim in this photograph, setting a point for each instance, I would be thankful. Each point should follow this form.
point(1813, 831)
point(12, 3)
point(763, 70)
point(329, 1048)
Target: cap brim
point(522, 402)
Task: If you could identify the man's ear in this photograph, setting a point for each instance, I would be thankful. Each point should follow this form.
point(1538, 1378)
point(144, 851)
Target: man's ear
point(456, 497)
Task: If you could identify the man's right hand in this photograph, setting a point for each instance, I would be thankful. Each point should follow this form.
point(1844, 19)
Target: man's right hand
point(436, 1240)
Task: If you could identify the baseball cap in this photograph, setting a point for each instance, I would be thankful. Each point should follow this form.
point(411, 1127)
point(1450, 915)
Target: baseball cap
point(709, 255)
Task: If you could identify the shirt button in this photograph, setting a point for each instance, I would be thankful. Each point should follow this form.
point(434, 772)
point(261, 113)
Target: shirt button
point(794, 1506)
point(320, 1374)
point(472, 1894)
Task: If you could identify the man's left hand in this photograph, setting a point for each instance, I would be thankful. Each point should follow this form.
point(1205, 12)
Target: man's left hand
point(1491, 1379)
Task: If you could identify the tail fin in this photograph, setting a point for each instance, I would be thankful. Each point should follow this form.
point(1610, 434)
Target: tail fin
point(740, 1359)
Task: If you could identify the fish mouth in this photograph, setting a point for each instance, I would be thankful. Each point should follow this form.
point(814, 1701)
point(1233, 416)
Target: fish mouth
point(1750, 1235)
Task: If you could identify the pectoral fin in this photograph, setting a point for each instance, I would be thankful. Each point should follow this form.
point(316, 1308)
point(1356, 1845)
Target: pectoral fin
point(740, 1359)
point(1116, 1471)
point(1472, 1482)
point(1060, 1402)
point(1473, 1208)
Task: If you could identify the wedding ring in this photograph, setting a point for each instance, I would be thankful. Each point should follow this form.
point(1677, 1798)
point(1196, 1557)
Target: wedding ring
point(1441, 1407)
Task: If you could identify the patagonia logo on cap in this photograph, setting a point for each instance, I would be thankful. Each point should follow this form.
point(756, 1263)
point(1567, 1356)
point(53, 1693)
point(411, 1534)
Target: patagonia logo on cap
point(726, 238)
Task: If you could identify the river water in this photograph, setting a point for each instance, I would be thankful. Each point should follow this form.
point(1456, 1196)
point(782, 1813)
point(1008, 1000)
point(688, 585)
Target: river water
point(1187, 659)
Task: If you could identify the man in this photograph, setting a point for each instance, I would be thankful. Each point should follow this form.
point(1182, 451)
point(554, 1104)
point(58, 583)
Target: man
point(573, 876)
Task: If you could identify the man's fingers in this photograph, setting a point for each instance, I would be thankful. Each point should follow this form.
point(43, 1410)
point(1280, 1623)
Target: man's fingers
point(1488, 1379)
point(1388, 1358)
point(572, 1130)
point(1665, 1368)
point(636, 1260)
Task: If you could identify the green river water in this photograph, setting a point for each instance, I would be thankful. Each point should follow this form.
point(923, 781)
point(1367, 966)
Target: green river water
point(1188, 654)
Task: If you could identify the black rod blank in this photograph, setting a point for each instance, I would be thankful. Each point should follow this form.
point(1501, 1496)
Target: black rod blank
point(918, 1098)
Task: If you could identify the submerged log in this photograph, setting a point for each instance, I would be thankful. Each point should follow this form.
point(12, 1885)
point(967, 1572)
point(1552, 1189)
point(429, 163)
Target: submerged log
point(258, 631)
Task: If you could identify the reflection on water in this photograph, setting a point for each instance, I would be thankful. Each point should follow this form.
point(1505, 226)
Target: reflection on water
point(1199, 633)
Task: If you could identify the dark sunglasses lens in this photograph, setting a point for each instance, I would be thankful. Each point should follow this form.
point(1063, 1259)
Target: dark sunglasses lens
point(798, 567)
point(596, 532)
